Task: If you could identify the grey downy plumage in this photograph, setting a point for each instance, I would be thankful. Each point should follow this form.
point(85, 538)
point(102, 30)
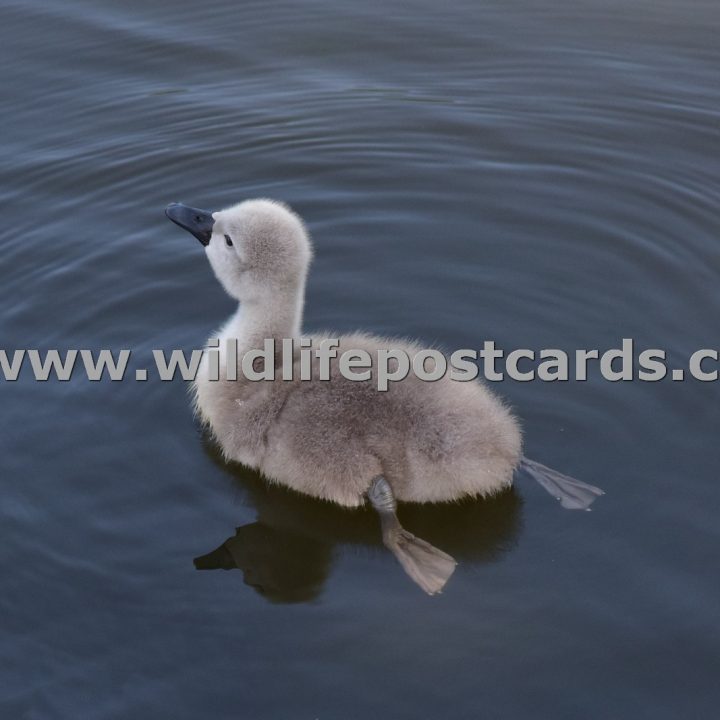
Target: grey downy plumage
point(338, 439)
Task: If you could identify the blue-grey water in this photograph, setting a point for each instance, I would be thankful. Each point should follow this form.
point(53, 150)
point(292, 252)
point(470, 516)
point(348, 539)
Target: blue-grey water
point(544, 174)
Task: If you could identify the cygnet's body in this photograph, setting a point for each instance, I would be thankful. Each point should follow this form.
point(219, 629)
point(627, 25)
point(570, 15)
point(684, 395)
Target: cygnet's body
point(432, 441)
point(343, 440)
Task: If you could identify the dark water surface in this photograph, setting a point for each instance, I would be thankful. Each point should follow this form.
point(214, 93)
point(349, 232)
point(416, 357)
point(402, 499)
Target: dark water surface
point(542, 174)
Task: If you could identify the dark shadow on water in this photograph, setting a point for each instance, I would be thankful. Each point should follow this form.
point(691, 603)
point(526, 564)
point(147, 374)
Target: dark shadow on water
point(282, 566)
point(287, 553)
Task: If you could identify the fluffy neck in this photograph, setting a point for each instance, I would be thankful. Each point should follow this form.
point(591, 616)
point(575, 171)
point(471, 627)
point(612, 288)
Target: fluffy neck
point(278, 317)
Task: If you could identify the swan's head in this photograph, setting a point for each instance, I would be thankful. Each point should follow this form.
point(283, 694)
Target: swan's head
point(257, 249)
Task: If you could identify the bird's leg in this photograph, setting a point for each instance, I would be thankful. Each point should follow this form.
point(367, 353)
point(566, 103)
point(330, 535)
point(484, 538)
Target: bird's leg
point(573, 494)
point(429, 567)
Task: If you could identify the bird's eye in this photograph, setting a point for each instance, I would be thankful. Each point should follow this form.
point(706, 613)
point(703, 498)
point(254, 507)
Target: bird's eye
point(228, 241)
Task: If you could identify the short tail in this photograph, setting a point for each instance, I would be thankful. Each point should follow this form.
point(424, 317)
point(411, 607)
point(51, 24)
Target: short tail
point(572, 494)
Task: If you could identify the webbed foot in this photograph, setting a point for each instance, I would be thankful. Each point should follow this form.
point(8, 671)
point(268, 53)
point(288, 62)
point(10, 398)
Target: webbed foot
point(428, 566)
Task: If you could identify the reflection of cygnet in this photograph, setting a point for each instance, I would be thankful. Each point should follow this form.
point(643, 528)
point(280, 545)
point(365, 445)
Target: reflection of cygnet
point(342, 440)
point(282, 566)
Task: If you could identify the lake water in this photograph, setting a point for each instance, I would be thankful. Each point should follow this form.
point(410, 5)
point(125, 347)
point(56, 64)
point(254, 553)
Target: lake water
point(546, 175)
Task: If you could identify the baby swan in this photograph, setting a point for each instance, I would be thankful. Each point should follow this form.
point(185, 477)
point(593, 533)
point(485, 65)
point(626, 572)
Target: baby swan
point(339, 439)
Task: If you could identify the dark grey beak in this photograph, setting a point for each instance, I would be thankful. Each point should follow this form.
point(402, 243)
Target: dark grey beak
point(198, 222)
